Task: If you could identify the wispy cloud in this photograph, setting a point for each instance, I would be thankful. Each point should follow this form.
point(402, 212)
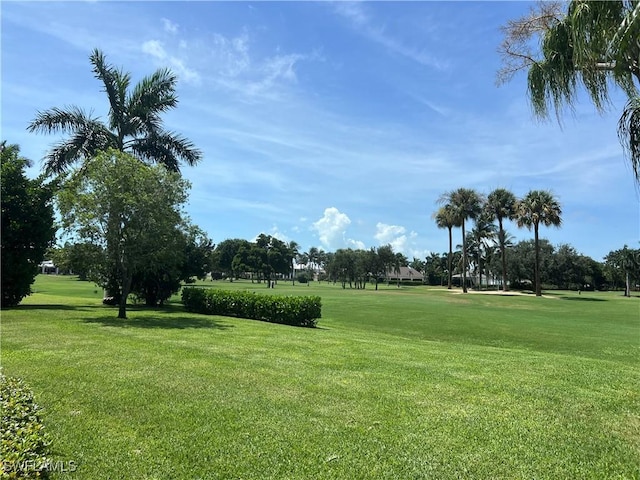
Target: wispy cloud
point(364, 23)
point(156, 49)
point(169, 26)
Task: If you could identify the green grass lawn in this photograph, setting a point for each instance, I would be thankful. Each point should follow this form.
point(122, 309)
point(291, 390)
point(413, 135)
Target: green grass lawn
point(400, 383)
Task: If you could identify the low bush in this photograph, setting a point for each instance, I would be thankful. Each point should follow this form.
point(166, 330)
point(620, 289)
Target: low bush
point(24, 442)
point(303, 311)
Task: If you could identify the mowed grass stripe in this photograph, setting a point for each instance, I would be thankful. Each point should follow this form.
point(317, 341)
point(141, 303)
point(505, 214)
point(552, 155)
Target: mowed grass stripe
point(425, 392)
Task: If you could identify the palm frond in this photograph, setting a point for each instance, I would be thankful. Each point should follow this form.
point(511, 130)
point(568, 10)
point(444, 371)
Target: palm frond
point(83, 144)
point(629, 134)
point(152, 96)
point(539, 207)
point(116, 84)
point(166, 148)
point(57, 120)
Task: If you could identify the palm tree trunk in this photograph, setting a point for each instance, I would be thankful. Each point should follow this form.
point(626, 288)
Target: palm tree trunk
point(503, 254)
point(464, 260)
point(450, 257)
point(537, 266)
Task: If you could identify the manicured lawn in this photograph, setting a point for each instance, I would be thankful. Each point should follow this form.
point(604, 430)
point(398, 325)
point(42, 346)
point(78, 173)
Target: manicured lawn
point(400, 383)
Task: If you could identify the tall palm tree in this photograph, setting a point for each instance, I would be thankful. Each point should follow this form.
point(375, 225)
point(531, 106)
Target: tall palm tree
point(483, 231)
point(538, 207)
point(446, 217)
point(501, 205)
point(293, 252)
point(466, 203)
point(134, 124)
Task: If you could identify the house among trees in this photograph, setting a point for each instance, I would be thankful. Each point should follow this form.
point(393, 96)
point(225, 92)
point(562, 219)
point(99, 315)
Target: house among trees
point(405, 274)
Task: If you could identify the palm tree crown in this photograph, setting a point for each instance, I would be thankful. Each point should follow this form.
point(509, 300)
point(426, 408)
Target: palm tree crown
point(134, 123)
point(446, 217)
point(538, 207)
point(466, 203)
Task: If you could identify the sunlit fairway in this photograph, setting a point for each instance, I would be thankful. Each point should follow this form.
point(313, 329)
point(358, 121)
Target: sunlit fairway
point(402, 383)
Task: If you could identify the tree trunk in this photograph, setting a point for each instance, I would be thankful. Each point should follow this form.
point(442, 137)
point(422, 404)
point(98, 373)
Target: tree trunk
point(503, 254)
point(126, 286)
point(449, 258)
point(464, 260)
point(627, 286)
point(537, 265)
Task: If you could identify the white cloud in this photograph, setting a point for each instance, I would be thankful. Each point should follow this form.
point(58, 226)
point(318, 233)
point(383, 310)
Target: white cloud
point(356, 244)
point(169, 26)
point(276, 233)
point(387, 233)
point(396, 236)
point(363, 23)
point(331, 227)
point(157, 50)
point(231, 55)
point(274, 70)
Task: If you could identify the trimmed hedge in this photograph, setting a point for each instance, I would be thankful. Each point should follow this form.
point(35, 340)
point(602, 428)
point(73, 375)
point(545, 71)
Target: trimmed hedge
point(301, 311)
point(24, 442)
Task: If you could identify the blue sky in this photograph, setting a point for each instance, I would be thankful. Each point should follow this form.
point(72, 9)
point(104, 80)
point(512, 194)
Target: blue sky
point(333, 124)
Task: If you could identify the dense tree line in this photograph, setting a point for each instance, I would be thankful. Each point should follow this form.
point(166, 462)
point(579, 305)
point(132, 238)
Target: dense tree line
point(265, 259)
point(537, 207)
point(488, 248)
point(562, 267)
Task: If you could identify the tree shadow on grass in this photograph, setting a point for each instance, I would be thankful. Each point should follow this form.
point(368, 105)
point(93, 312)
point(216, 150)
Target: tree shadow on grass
point(585, 299)
point(51, 307)
point(168, 322)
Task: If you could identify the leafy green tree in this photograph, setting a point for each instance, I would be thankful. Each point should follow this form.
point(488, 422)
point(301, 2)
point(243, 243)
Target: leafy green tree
point(446, 217)
point(624, 263)
point(129, 209)
point(466, 204)
point(521, 262)
point(568, 269)
point(434, 268)
point(388, 258)
point(224, 253)
point(589, 44)
point(501, 206)
point(134, 123)
point(185, 255)
point(536, 208)
point(80, 258)
point(27, 225)
point(376, 266)
point(342, 266)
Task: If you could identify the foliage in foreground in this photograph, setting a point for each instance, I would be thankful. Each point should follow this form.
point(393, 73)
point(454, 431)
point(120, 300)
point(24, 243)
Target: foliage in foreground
point(24, 444)
point(302, 311)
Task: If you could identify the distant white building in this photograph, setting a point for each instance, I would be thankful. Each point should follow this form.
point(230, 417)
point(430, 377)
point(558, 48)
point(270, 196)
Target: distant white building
point(47, 266)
